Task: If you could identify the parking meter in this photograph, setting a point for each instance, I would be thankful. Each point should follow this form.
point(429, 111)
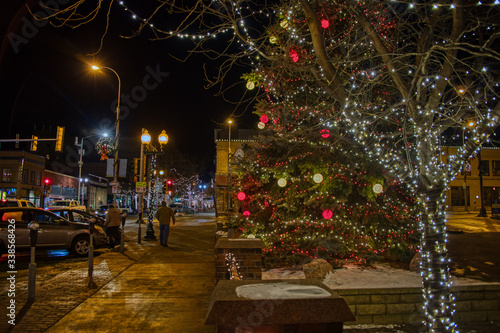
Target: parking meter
point(91, 284)
point(91, 225)
point(122, 236)
point(34, 227)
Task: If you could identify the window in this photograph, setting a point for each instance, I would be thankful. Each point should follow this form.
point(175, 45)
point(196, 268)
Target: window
point(38, 178)
point(32, 177)
point(7, 175)
point(490, 194)
point(495, 168)
point(25, 176)
point(466, 170)
point(78, 217)
point(43, 218)
point(459, 196)
point(485, 167)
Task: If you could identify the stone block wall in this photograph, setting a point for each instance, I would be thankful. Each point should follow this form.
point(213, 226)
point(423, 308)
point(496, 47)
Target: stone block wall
point(475, 303)
point(247, 253)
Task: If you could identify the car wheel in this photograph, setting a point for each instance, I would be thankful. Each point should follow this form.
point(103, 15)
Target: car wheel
point(80, 245)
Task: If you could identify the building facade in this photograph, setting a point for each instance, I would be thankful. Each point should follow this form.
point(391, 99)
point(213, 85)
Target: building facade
point(464, 192)
point(227, 150)
point(22, 176)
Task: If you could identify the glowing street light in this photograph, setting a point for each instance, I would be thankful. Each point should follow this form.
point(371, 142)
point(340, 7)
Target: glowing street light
point(117, 134)
point(146, 140)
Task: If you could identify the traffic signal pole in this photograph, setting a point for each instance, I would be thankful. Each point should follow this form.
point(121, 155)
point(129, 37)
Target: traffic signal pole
point(59, 139)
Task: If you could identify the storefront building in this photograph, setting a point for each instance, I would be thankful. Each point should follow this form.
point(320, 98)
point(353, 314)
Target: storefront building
point(22, 176)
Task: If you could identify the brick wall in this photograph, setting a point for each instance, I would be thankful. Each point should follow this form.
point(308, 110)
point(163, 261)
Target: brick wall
point(479, 303)
point(247, 253)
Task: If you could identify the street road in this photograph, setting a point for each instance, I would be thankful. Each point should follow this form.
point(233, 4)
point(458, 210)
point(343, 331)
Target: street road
point(474, 245)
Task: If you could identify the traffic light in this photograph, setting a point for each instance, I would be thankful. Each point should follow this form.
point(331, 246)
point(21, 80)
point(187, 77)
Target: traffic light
point(169, 186)
point(34, 143)
point(136, 168)
point(46, 184)
point(59, 138)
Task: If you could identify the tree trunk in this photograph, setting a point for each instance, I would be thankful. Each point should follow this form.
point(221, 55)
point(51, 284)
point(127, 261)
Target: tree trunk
point(438, 301)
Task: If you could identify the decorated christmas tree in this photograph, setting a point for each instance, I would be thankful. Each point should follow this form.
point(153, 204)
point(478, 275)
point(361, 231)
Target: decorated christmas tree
point(307, 200)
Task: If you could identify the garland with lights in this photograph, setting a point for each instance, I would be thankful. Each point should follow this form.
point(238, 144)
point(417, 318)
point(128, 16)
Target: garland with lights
point(105, 147)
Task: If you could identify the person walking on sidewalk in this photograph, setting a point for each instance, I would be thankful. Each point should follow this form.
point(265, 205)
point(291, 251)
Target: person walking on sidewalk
point(112, 224)
point(164, 215)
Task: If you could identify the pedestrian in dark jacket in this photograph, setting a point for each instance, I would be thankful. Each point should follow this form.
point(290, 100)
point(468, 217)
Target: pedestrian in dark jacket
point(164, 215)
point(112, 224)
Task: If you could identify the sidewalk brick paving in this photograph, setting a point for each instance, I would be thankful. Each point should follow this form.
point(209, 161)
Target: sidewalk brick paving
point(57, 294)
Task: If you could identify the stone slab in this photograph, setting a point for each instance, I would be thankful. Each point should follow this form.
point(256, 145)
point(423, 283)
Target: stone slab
point(227, 309)
point(239, 243)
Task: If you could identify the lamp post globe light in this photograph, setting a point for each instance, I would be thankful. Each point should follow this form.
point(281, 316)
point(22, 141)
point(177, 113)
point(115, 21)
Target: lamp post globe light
point(117, 126)
point(152, 188)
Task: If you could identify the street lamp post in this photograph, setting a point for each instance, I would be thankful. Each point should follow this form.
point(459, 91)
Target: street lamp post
point(117, 125)
point(482, 211)
point(229, 166)
point(81, 152)
point(151, 150)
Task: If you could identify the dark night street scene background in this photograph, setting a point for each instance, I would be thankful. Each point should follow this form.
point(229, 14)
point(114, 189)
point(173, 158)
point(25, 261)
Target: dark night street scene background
point(47, 81)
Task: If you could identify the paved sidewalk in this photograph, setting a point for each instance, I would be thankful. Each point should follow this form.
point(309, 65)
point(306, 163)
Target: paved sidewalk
point(167, 290)
point(62, 284)
point(469, 222)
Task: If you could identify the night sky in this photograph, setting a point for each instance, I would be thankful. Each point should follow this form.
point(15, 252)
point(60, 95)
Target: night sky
point(46, 81)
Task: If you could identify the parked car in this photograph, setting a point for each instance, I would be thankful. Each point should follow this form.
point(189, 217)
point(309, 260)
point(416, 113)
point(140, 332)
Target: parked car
point(101, 212)
point(73, 204)
point(54, 232)
point(128, 210)
point(16, 203)
point(80, 216)
point(181, 209)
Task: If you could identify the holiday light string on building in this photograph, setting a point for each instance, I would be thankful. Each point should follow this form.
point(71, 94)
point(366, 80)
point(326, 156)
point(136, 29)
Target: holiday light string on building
point(233, 267)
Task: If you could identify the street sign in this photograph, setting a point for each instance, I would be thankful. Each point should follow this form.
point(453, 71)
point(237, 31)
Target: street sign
point(114, 189)
point(140, 187)
point(114, 183)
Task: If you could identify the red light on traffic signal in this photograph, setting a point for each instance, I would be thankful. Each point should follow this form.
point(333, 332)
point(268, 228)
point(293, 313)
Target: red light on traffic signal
point(169, 182)
point(46, 181)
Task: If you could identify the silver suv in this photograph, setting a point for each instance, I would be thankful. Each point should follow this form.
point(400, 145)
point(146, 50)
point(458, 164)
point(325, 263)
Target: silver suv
point(54, 232)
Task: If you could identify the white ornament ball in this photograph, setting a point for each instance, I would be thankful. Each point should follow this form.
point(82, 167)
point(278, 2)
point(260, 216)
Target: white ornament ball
point(377, 188)
point(318, 178)
point(282, 182)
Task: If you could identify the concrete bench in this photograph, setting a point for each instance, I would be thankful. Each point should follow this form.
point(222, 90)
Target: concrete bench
point(276, 306)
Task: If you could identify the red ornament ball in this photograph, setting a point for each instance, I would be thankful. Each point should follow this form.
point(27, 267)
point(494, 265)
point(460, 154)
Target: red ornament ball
point(241, 196)
point(325, 133)
point(294, 55)
point(264, 119)
point(325, 23)
point(246, 213)
point(327, 214)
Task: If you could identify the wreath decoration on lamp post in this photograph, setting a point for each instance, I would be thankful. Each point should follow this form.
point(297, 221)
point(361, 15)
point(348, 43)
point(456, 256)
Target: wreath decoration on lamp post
point(105, 147)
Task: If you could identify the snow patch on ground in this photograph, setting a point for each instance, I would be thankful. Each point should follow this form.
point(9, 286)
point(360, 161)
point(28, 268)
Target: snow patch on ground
point(358, 277)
